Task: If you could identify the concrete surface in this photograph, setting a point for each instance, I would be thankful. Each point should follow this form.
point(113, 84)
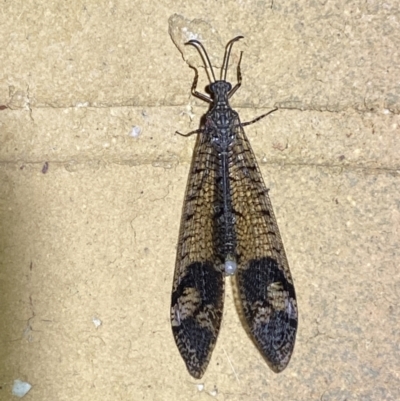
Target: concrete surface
point(87, 248)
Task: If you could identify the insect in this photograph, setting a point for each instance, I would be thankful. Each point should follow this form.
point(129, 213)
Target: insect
point(228, 228)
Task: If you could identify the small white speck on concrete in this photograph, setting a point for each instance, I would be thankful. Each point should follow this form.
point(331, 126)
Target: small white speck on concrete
point(97, 322)
point(20, 388)
point(188, 112)
point(82, 104)
point(135, 131)
point(213, 392)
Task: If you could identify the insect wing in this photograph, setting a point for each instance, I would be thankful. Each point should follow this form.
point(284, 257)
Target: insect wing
point(198, 287)
point(264, 281)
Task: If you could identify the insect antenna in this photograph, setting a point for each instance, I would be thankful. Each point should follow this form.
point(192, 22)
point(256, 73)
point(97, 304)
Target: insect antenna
point(199, 46)
point(227, 55)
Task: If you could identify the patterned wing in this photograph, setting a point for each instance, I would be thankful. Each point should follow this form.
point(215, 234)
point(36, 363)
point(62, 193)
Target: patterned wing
point(264, 281)
point(198, 287)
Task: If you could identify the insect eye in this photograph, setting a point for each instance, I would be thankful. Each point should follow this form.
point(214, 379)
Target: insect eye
point(228, 86)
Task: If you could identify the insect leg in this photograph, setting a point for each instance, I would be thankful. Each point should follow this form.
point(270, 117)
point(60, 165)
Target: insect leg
point(258, 118)
point(197, 131)
point(194, 86)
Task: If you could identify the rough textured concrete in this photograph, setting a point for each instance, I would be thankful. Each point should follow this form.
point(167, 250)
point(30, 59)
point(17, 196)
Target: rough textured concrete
point(95, 236)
